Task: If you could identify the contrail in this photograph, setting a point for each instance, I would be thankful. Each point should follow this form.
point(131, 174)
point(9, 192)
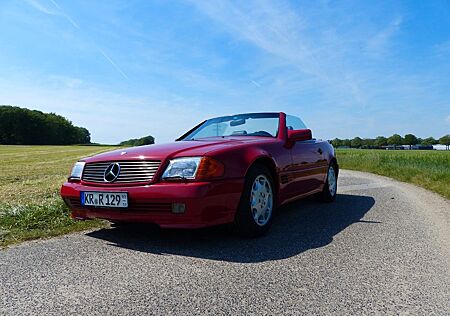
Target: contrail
point(255, 83)
point(65, 15)
point(60, 12)
point(100, 50)
point(55, 4)
point(112, 63)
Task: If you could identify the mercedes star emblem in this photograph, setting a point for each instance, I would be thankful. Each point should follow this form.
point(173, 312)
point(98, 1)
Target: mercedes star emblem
point(112, 172)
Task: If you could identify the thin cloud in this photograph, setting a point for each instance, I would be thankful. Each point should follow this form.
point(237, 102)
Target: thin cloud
point(58, 11)
point(37, 5)
point(334, 49)
point(278, 29)
point(377, 45)
point(55, 4)
point(65, 15)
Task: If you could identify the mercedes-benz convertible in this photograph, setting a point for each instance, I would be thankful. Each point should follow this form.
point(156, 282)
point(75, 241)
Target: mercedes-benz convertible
point(233, 169)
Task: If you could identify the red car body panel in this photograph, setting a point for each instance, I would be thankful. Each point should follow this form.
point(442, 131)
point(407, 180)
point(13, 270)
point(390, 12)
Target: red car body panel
point(298, 167)
point(207, 203)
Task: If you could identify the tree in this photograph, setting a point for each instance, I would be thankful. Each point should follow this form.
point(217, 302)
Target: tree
point(367, 143)
point(395, 139)
point(21, 126)
point(336, 142)
point(147, 140)
point(83, 135)
point(346, 143)
point(410, 140)
point(429, 141)
point(381, 141)
point(356, 142)
point(445, 140)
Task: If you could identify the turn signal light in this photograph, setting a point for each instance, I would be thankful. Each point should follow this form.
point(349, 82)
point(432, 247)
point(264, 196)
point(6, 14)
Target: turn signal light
point(209, 168)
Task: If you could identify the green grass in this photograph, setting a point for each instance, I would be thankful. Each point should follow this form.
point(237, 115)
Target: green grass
point(30, 179)
point(428, 169)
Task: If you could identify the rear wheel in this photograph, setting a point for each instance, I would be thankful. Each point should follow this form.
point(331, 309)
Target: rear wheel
point(255, 211)
point(330, 189)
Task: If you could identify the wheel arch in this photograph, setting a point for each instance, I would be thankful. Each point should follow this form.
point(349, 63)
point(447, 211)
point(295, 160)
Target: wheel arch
point(270, 164)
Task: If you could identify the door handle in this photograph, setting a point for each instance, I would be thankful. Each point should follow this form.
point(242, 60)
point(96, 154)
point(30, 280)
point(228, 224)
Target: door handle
point(320, 151)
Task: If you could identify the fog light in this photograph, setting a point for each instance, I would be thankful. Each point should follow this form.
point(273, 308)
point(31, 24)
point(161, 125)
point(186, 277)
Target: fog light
point(67, 201)
point(178, 208)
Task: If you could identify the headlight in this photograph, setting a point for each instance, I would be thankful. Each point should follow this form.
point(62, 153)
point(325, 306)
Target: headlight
point(77, 170)
point(184, 168)
point(199, 168)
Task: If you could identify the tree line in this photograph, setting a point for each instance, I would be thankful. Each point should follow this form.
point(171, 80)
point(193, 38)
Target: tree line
point(21, 126)
point(394, 140)
point(147, 140)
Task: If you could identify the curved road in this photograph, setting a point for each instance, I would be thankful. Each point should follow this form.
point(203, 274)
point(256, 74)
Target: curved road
point(382, 247)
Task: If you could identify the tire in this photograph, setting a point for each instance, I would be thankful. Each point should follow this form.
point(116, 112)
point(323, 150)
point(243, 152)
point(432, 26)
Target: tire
point(330, 188)
point(255, 211)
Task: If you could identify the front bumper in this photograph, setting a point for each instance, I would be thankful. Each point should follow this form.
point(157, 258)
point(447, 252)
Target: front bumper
point(207, 203)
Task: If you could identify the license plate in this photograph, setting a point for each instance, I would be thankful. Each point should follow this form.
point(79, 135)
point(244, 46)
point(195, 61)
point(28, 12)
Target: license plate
point(104, 199)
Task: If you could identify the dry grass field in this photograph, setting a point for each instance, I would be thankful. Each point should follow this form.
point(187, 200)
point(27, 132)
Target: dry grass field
point(30, 178)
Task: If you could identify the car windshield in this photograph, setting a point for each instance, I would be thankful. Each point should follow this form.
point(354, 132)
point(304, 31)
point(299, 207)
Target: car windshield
point(257, 124)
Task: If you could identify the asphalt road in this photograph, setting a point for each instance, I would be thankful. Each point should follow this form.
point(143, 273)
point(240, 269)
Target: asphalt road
point(382, 247)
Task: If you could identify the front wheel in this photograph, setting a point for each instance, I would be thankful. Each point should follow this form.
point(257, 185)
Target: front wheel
point(330, 189)
point(254, 214)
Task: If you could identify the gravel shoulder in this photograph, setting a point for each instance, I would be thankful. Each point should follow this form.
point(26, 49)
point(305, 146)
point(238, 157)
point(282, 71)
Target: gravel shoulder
point(382, 247)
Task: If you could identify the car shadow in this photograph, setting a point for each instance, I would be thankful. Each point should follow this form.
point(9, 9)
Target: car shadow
point(298, 226)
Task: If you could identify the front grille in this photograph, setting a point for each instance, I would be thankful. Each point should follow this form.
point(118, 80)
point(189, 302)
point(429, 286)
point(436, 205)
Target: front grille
point(133, 207)
point(130, 171)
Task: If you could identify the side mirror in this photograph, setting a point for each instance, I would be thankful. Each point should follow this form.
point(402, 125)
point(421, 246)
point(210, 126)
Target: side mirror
point(299, 135)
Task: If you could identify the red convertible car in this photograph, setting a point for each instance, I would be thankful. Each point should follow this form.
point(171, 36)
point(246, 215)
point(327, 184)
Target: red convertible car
point(233, 169)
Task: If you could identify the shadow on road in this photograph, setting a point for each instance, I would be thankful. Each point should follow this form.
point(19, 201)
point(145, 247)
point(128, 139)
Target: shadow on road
point(299, 226)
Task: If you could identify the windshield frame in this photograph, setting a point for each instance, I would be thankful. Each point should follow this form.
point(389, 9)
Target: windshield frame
point(219, 119)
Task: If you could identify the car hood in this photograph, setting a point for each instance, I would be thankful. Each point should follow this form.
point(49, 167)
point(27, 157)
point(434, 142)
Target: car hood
point(176, 149)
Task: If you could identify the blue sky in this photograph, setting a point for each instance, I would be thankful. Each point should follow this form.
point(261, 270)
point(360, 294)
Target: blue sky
point(126, 69)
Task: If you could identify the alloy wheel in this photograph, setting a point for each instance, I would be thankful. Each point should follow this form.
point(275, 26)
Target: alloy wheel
point(261, 200)
point(332, 183)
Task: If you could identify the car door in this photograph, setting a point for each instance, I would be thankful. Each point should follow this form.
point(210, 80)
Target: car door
point(307, 169)
point(306, 172)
